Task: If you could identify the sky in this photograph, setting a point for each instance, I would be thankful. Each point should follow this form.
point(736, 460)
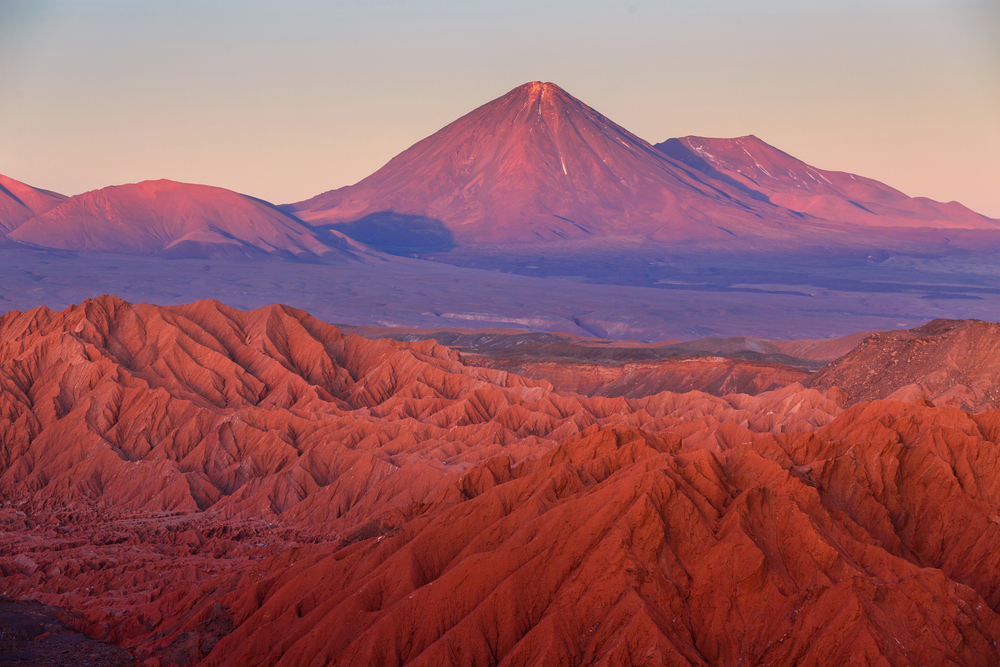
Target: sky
point(285, 100)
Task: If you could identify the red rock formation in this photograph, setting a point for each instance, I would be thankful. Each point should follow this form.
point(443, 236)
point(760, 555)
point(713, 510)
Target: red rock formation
point(872, 542)
point(824, 349)
point(948, 362)
point(760, 168)
point(210, 486)
point(177, 220)
point(195, 401)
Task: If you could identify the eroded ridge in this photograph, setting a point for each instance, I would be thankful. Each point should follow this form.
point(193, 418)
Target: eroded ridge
point(219, 487)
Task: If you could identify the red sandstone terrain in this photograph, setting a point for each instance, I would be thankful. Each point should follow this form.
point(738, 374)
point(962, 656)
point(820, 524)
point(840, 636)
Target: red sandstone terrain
point(567, 346)
point(713, 375)
point(203, 485)
point(175, 220)
point(946, 362)
point(601, 367)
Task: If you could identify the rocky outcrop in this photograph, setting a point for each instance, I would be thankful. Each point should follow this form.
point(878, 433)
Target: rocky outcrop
point(947, 362)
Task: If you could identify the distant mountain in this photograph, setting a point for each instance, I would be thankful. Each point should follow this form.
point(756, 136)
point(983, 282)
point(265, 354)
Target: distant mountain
point(533, 166)
point(538, 164)
point(20, 202)
point(763, 171)
point(176, 220)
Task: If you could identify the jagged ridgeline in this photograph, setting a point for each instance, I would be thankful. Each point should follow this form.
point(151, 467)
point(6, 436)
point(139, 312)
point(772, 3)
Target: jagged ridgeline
point(211, 486)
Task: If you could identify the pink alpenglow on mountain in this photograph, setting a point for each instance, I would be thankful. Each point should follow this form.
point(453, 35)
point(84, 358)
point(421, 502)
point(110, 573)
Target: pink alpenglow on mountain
point(832, 195)
point(539, 164)
point(20, 202)
point(174, 219)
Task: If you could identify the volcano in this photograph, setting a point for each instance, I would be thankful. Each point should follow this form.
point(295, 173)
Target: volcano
point(173, 219)
point(539, 165)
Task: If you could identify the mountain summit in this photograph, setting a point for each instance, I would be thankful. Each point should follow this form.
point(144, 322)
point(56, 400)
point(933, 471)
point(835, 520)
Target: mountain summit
point(539, 164)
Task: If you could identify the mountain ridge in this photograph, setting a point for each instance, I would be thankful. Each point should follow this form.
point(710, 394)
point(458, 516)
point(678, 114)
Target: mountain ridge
point(534, 166)
point(19, 202)
point(172, 219)
point(835, 195)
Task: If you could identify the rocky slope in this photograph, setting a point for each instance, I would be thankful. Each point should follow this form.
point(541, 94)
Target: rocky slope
point(599, 367)
point(185, 397)
point(947, 362)
point(713, 375)
point(559, 346)
point(857, 545)
point(210, 486)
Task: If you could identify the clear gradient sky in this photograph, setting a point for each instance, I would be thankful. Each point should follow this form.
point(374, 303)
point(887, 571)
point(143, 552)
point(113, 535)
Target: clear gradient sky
point(284, 100)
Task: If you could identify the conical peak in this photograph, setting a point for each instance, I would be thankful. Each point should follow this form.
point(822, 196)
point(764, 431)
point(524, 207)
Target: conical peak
point(536, 87)
point(535, 90)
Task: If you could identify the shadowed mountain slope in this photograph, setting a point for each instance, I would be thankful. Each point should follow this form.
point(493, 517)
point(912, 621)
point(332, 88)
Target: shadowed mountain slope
point(177, 220)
